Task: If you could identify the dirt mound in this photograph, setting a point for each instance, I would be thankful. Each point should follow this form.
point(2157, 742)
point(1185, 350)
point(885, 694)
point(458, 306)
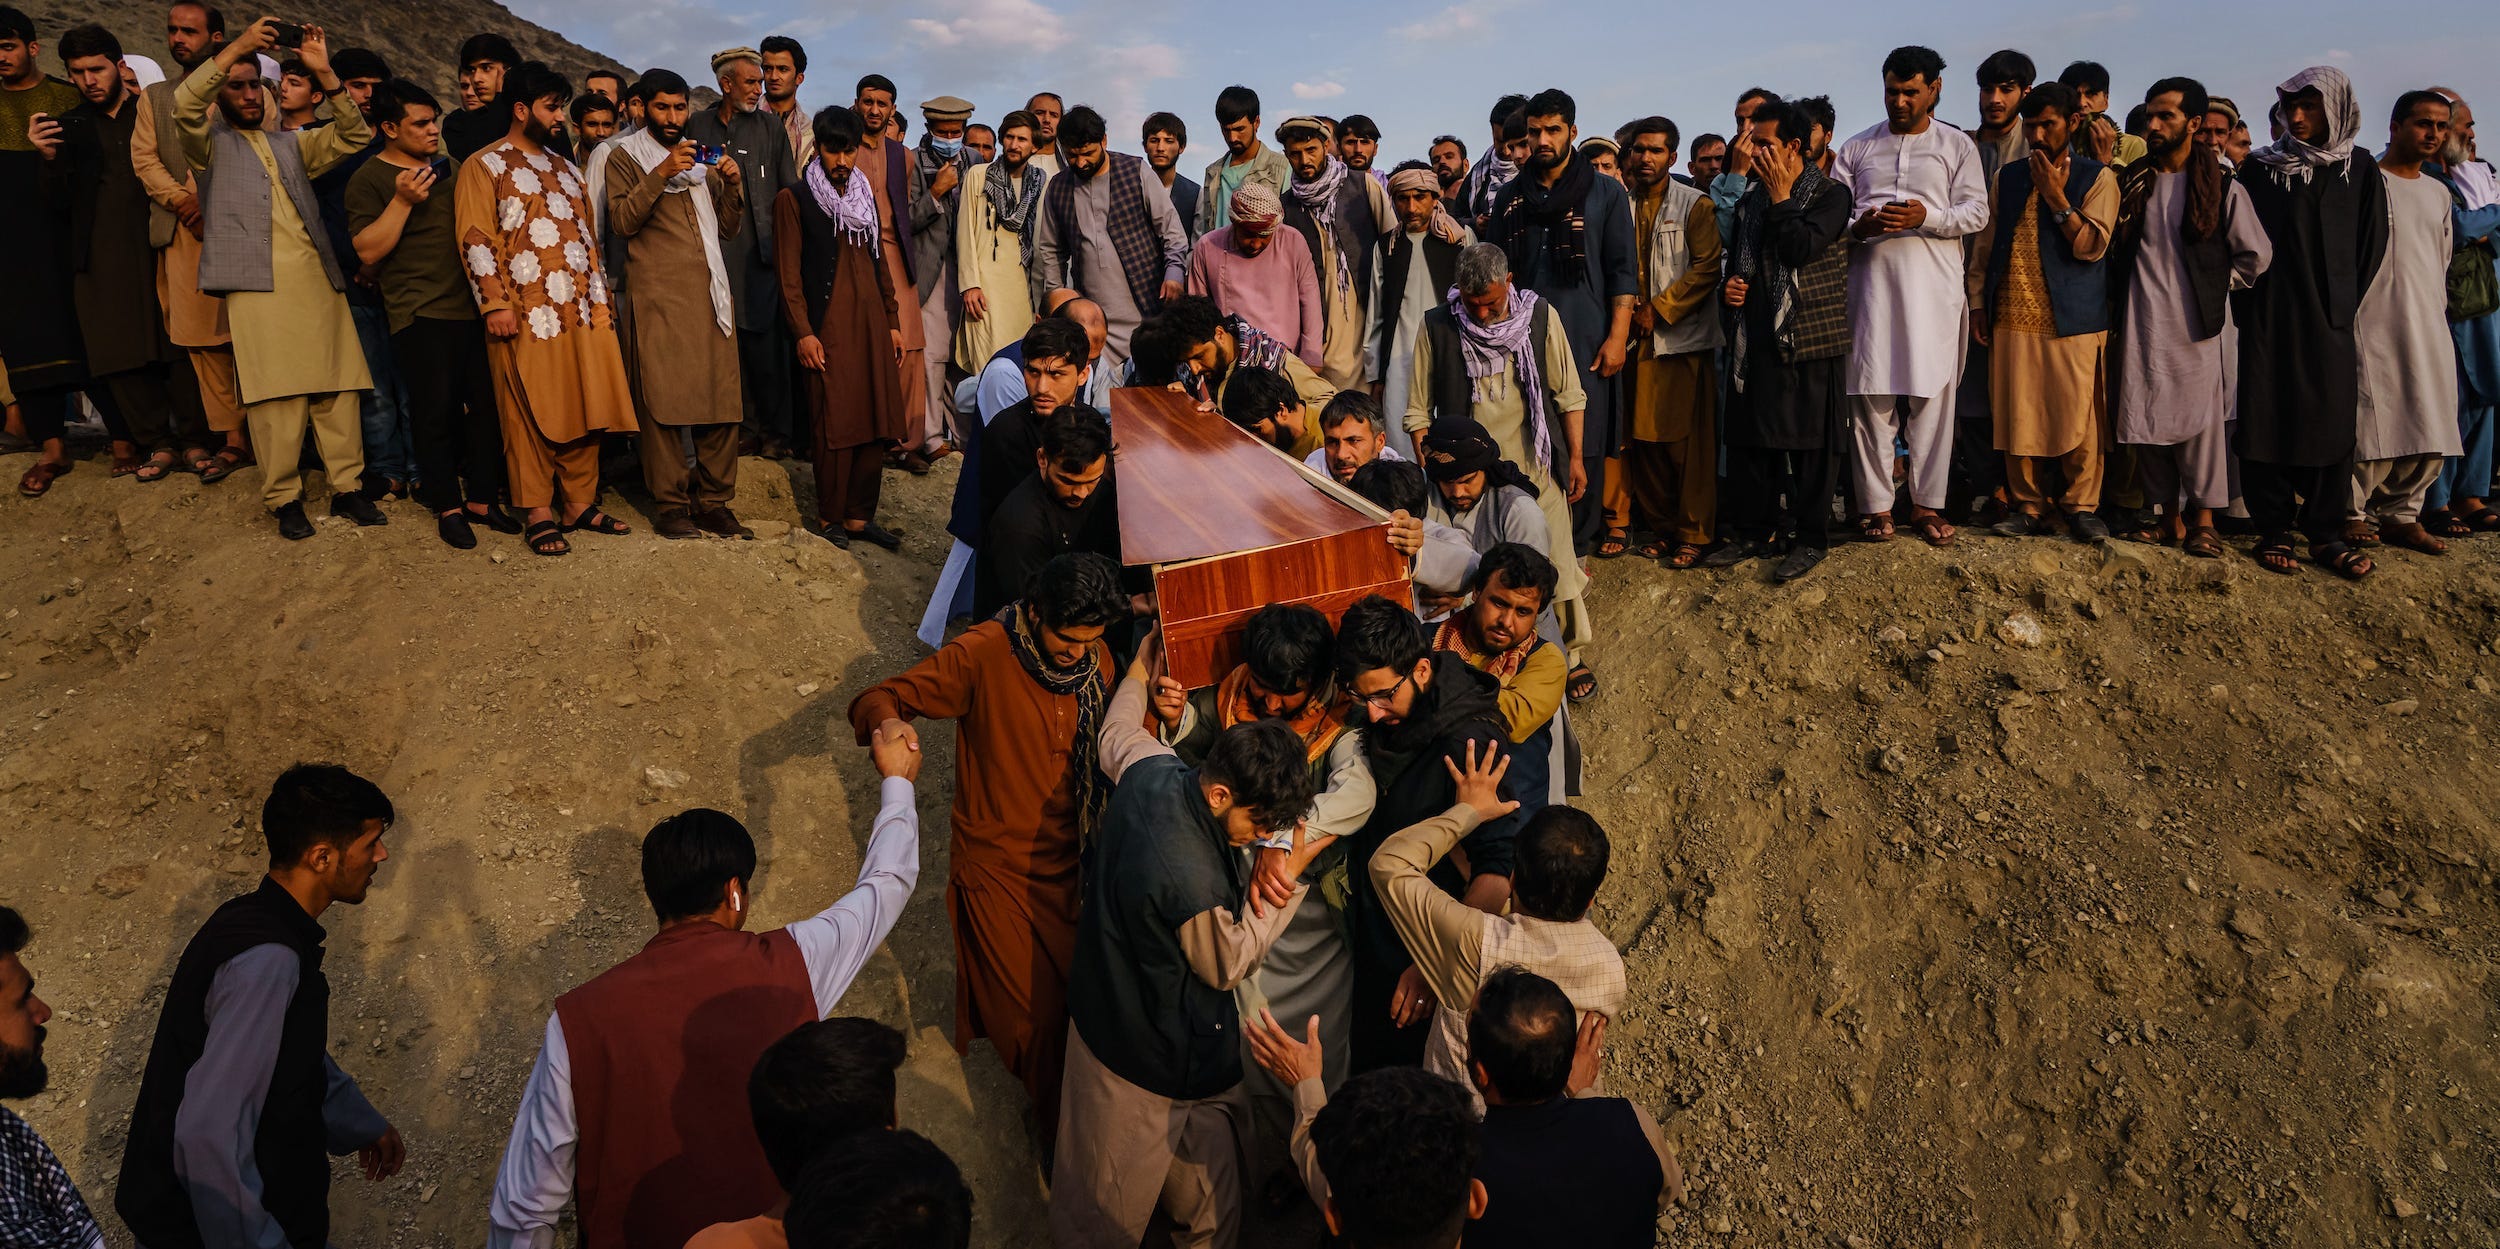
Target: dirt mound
point(2012, 894)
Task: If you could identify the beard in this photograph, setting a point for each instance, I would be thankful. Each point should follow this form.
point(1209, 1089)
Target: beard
point(1449, 180)
point(2454, 152)
point(2158, 145)
point(1542, 160)
point(22, 1073)
point(540, 133)
point(669, 136)
point(234, 116)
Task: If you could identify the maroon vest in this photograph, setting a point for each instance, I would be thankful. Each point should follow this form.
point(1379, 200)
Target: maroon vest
point(661, 1046)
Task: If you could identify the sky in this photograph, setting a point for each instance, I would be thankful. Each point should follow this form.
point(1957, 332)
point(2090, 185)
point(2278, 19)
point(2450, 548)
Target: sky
point(1425, 67)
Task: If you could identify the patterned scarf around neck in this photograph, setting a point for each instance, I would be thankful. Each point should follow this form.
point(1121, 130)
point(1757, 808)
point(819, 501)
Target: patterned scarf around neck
point(1092, 692)
point(2289, 159)
point(1754, 254)
point(1508, 345)
point(1014, 214)
point(1502, 665)
point(1254, 347)
point(1319, 198)
point(853, 207)
point(1551, 219)
point(1485, 182)
point(1319, 724)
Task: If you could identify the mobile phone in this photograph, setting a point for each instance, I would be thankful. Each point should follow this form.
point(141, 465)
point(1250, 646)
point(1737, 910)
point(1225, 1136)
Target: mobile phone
point(288, 34)
point(706, 154)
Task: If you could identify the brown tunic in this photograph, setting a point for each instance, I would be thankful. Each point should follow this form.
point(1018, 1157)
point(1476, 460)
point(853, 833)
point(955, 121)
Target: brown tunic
point(685, 370)
point(524, 226)
point(858, 399)
point(1011, 879)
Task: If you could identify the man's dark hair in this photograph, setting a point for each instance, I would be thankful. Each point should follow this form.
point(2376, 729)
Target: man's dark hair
point(1553, 102)
point(873, 82)
point(1649, 125)
point(880, 1190)
point(1057, 338)
point(1523, 1030)
point(1816, 110)
point(1234, 103)
point(1706, 138)
point(784, 43)
point(1515, 125)
point(1075, 438)
point(489, 46)
point(531, 81)
point(1561, 860)
point(2085, 76)
point(1360, 126)
point(1505, 108)
point(1051, 96)
point(1253, 395)
point(1288, 647)
point(2051, 95)
point(587, 103)
point(838, 128)
point(825, 1080)
point(1379, 632)
point(1787, 118)
point(609, 74)
point(294, 67)
point(14, 934)
point(1193, 319)
point(688, 858)
point(1078, 589)
point(1392, 485)
point(314, 803)
point(1080, 127)
point(1399, 1148)
point(210, 16)
point(1353, 405)
point(1164, 123)
point(1912, 61)
point(1268, 768)
point(2193, 101)
point(1755, 93)
point(1032, 125)
point(2135, 120)
point(2007, 65)
point(1522, 568)
point(350, 63)
point(1453, 140)
point(80, 42)
point(2410, 100)
point(1154, 352)
point(393, 99)
point(660, 82)
point(16, 25)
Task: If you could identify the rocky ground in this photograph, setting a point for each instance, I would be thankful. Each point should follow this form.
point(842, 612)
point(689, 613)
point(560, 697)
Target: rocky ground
point(2024, 893)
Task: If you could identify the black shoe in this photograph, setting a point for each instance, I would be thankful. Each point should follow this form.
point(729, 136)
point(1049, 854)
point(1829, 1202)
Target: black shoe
point(454, 527)
point(720, 522)
point(1736, 551)
point(833, 534)
point(358, 508)
point(674, 525)
point(878, 534)
point(2087, 527)
point(293, 525)
point(1799, 561)
point(2023, 525)
point(497, 519)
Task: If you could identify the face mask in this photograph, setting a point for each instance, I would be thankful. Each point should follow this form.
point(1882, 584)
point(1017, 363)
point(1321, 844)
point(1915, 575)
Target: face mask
point(946, 147)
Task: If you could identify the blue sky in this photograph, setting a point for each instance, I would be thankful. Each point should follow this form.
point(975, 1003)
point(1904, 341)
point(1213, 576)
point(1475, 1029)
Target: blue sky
point(1422, 67)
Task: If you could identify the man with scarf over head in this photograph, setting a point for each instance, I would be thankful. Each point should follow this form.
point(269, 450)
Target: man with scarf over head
point(1568, 233)
point(842, 306)
point(994, 229)
point(2299, 404)
point(1786, 290)
point(1425, 714)
point(1340, 220)
point(1477, 492)
point(1490, 352)
point(1263, 275)
point(677, 310)
point(1027, 691)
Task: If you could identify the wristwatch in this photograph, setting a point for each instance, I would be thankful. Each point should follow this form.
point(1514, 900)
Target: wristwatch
point(2059, 217)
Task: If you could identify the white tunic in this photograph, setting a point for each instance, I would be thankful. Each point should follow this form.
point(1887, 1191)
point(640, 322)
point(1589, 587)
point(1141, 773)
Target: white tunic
point(2173, 386)
point(1906, 297)
point(2408, 361)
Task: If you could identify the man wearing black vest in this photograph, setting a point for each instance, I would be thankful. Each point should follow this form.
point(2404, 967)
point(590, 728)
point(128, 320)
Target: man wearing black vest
point(1404, 290)
point(1108, 232)
point(1152, 1102)
point(241, 1052)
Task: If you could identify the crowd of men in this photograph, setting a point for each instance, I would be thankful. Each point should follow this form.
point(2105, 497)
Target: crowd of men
point(1321, 928)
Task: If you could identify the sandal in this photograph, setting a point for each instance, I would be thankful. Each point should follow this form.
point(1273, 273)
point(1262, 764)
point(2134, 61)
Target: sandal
point(1935, 529)
point(196, 461)
point(2414, 537)
point(1685, 555)
point(2203, 542)
point(2149, 535)
point(2484, 520)
point(1876, 527)
point(1581, 685)
point(124, 466)
point(2360, 533)
point(597, 521)
point(1614, 544)
point(222, 465)
point(158, 466)
point(38, 480)
point(2446, 524)
point(2275, 554)
point(1655, 548)
point(2344, 561)
point(545, 537)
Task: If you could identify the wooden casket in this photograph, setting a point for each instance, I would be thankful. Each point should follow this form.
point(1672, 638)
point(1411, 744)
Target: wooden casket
point(1230, 525)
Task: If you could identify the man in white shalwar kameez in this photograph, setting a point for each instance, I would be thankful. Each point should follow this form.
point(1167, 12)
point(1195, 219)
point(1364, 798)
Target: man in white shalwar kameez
point(2408, 419)
point(1917, 189)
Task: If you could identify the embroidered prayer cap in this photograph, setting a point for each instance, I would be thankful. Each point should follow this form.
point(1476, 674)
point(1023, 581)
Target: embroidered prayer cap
point(727, 57)
point(1327, 132)
point(1257, 209)
point(2222, 104)
point(947, 108)
point(1406, 180)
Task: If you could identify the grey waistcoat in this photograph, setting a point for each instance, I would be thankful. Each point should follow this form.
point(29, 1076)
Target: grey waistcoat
point(234, 207)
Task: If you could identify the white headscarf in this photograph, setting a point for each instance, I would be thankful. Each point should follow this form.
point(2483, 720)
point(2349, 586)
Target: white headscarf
point(145, 69)
point(646, 151)
point(2289, 158)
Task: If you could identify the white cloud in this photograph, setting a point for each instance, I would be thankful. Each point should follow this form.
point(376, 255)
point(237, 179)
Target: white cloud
point(1020, 25)
point(1470, 19)
point(1318, 90)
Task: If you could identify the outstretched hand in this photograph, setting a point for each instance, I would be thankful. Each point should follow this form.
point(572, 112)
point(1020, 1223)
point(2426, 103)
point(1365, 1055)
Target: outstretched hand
point(1480, 782)
point(1285, 1058)
point(1588, 1055)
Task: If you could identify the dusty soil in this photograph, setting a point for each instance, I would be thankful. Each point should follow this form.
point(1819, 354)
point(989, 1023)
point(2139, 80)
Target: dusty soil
point(2022, 894)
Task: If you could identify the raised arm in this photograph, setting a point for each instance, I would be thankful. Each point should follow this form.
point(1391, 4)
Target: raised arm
point(1125, 739)
point(836, 942)
point(633, 192)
